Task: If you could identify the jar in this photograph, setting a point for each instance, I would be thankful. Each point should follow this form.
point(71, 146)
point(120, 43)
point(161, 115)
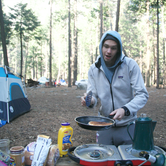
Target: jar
point(64, 138)
point(4, 145)
point(17, 157)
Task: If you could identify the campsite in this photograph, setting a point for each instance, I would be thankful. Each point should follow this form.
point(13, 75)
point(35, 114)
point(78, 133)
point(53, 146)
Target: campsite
point(50, 106)
point(113, 50)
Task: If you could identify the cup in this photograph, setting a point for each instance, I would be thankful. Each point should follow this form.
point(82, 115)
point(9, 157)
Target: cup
point(4, 145)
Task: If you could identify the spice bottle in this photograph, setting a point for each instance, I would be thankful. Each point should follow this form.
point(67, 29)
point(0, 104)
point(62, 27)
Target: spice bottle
point(17, 157)
point(64, 138)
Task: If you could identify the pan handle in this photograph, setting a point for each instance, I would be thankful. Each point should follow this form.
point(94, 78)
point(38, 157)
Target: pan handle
point(111, 116)
point(74, 158)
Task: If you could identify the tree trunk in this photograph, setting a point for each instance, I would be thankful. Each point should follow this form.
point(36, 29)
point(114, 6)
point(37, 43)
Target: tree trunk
point(26, 63)
point(75, 45)
point(117, 16)
point(96, 53)
point(69, 51)
point(59, 71)
point(50, 81)
point(41, 62)
point(164, 68)
point(3, 36)
point(101, 18)
point(91, 46)
point(164, 37)
point(33, 69)
point(147, 76)
point(154, 57)
point(46, 59)
point(158, 78)
point(140, 64)
point(21, 62)
point(41, 68)
point(36, 68)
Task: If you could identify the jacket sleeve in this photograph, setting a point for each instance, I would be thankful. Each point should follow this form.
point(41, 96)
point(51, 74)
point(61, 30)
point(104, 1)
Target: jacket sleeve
point(140, 93)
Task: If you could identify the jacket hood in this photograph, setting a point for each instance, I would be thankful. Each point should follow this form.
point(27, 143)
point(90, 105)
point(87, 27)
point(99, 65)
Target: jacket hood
point(109, 71)
point(117, 36)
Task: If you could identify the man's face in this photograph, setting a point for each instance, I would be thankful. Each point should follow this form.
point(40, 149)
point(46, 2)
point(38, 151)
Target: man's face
point(109, 50)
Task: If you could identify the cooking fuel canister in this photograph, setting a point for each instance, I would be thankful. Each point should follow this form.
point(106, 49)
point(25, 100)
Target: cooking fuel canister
point(64, 138)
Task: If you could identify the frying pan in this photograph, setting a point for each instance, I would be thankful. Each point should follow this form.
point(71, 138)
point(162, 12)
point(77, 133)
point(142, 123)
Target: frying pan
point(83, 121)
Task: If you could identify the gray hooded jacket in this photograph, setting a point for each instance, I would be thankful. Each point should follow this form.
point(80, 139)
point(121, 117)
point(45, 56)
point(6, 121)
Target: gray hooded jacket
point(126, 89)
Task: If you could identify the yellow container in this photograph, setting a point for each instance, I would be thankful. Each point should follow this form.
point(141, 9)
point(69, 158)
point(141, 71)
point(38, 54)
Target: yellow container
point(64, 138)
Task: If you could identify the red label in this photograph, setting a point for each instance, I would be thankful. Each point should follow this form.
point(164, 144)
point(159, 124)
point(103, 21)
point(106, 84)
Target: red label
point(12, 160)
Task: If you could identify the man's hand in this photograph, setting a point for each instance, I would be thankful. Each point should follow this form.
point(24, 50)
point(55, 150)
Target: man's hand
point(118, 113)
point(83, 102)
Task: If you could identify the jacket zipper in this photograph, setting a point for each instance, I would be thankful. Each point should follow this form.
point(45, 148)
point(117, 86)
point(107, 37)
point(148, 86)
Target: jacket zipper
point(110, 89)
point(112, 92)
point(111, 81)
point(111, 85)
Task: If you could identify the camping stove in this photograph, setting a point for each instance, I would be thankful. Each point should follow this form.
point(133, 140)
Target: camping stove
point(128, 153)
point(95, 154)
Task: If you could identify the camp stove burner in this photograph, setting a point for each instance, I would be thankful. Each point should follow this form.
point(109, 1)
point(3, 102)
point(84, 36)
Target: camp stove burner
point(95, 154)
point(128, 153)
point(136, 153)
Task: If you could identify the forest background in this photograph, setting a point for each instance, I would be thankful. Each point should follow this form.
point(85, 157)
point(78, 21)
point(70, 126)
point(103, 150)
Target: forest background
point(60, 39)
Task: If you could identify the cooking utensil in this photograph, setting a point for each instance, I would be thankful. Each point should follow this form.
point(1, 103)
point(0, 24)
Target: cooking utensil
point(83, 121)
point(88, 98)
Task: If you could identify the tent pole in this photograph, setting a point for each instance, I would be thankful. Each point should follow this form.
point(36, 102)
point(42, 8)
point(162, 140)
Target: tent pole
point(6, 71)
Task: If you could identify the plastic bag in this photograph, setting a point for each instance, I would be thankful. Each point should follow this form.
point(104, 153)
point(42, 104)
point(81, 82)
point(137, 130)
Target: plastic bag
point(53, 155)
point(2, 122)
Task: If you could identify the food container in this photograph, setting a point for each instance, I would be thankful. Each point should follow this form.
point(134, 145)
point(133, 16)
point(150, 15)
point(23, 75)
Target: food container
point(64, 138)
point(4, 145)
point(17, 156)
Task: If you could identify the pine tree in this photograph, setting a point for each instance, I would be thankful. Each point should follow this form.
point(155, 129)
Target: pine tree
point(24, 22)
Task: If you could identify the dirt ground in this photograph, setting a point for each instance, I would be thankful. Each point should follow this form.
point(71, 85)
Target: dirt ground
point(52, 106)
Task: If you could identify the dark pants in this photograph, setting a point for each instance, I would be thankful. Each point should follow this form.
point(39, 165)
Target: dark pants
point(115, 136)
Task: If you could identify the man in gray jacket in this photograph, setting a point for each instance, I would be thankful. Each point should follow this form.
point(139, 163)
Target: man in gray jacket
point(117, 81)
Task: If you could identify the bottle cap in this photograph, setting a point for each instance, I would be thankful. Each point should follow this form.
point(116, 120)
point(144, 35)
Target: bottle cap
point(65, 124)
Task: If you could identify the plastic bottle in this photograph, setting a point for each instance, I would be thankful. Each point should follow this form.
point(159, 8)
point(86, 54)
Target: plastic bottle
point(64, 138)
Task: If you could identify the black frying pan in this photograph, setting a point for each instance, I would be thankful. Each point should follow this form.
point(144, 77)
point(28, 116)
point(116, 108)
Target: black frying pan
point(83, 121)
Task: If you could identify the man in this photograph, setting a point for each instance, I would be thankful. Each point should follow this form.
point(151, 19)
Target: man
point(117, 81)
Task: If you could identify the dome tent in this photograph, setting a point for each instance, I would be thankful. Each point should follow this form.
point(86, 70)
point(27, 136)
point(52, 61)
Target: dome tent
point(13, 99)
